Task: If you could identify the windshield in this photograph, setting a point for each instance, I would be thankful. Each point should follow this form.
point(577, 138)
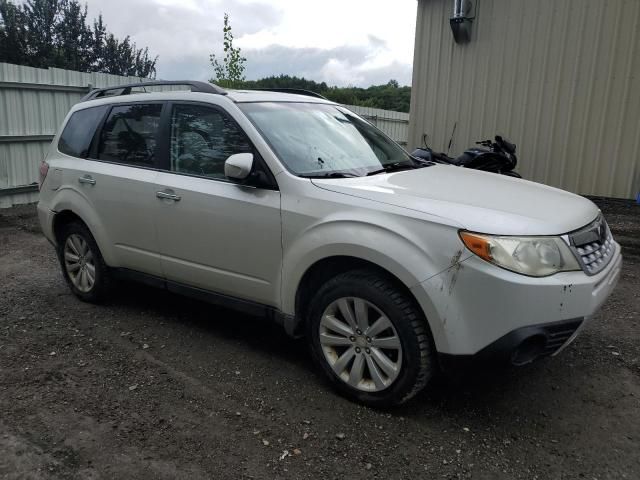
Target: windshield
point(321, 140)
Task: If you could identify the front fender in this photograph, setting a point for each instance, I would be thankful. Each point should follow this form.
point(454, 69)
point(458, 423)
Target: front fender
point(410, 249)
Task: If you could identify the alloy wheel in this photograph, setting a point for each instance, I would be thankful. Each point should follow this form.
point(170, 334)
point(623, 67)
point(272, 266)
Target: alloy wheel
point(79, 263)
point(360, 344)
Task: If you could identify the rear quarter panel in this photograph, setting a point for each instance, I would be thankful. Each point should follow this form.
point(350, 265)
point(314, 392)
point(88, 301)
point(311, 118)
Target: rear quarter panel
point(72, 198)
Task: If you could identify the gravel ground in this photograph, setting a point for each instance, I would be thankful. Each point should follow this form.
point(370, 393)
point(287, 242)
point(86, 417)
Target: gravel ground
point(157, 386)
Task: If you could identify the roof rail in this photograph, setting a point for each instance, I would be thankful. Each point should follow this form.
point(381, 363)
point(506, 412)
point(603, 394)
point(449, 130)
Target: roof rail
point(196, 86)
point(297, 91)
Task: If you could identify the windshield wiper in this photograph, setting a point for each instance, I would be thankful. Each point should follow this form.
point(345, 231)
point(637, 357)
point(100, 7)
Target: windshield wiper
point(330, 175)
point(393, 167)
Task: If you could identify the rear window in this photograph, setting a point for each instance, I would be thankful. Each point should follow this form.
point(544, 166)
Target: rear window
point(77, 134)
point(129, 134)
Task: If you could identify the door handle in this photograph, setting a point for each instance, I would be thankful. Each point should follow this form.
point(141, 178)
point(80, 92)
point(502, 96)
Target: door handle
point(87, 179)
point(169, 195)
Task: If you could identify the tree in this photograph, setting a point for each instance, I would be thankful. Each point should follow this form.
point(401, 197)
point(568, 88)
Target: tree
point(230, 72)
point(41, 17)
point(74, 40)
point(13, 33)
point(98, 39)
point(55, 33)
point(390, 96)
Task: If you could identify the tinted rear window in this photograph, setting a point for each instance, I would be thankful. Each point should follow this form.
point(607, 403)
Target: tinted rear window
point(77, 134)
point(129, 134)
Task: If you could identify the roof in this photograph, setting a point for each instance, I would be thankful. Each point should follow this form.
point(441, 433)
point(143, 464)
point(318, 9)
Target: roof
point(126, 91)
point(240, 96)
point(237, 96)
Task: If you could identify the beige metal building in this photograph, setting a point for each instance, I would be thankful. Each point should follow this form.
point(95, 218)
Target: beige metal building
point(560, 78)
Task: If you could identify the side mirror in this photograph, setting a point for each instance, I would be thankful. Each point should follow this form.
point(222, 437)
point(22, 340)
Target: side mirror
point(238, 166)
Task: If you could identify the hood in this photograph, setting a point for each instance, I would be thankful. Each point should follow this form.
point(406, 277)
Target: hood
point(482, 202)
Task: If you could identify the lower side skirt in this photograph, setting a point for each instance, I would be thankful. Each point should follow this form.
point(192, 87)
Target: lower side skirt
point(248, 307)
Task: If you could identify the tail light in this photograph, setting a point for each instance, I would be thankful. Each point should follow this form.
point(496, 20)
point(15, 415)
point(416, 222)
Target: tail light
point(44, 169)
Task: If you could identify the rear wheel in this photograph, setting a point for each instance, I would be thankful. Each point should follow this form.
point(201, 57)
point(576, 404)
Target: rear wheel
point(370, 339)
point(82, 264)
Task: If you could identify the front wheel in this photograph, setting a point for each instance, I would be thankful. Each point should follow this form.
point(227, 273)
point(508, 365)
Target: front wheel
point(370, 339)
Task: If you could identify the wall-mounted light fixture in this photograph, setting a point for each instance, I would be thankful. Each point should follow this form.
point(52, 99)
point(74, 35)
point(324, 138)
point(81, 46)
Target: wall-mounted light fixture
point(461, 21)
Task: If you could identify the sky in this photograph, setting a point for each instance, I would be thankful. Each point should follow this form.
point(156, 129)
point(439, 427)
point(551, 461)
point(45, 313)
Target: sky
point(341, 42)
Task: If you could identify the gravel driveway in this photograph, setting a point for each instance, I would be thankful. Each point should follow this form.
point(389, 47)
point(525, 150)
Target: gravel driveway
point(157, 386)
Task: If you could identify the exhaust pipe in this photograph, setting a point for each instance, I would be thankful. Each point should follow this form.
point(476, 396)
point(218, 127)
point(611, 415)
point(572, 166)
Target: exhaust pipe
point(528, 350)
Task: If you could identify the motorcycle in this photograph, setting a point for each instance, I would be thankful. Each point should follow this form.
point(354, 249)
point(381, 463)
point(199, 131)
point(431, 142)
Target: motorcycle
point(497, 156)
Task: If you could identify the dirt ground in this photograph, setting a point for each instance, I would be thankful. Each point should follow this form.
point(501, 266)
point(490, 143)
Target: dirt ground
point(156, 386)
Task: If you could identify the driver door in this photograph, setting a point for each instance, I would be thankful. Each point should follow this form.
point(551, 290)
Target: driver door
point(214, 234)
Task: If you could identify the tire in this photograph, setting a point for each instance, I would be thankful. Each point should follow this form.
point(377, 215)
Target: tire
point(79, 255)
point(370, 295)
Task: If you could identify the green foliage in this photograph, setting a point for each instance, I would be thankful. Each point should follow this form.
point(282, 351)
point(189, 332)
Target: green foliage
point(390, 96)
point(55, 33)
point(13, 33)
point(230, 72)
point(286, 81)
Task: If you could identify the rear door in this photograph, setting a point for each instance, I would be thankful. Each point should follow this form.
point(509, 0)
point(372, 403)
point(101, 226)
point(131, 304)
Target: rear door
point(118, 180)
point(215, 234)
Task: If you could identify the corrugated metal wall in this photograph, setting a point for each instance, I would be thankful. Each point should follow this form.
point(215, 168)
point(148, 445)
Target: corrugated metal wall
point(34, 101)
point(394, 124)
point(560, 78)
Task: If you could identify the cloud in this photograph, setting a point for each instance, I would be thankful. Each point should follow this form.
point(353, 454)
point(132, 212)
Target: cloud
point(342, 66)
point(368, 43)
point(179, 30)
point(312, 63)
point(395, 70)
point(377, 42)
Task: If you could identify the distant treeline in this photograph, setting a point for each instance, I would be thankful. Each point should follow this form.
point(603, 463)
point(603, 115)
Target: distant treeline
point(56, 33)
point(390, 96)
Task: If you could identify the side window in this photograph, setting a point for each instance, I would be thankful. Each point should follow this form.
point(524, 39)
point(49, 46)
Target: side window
point(79, 130)
point(129, 134)
point(202, 138)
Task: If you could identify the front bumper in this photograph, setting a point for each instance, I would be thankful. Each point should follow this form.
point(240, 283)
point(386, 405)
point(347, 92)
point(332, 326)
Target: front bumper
point(521, 346)
point(474, 304)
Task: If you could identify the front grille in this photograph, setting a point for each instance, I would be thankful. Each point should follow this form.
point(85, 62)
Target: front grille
point(558, 334)
point(593, 246)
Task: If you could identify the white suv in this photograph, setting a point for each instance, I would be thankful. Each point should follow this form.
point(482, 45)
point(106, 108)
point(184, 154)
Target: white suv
point(293, 207)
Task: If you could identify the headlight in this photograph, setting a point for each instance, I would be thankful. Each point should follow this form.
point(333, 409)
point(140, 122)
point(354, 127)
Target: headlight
point(534, 256)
